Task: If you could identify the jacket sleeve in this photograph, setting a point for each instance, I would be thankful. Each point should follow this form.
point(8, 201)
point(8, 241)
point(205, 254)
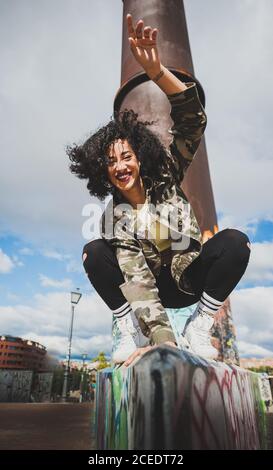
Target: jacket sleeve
point(141, 292)
point(189, 123)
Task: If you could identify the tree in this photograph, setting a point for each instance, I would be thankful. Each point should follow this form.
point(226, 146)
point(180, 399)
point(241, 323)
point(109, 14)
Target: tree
point(267, 369)
point(101, 359)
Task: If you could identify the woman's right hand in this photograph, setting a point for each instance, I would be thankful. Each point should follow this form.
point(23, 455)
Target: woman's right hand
point(140, 351)
point(143, 45)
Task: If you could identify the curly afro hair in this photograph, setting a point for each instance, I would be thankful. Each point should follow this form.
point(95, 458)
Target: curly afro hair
point(89, 159)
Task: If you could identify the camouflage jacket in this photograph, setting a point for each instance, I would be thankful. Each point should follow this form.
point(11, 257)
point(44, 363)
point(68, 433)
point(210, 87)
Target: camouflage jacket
point(137, 255)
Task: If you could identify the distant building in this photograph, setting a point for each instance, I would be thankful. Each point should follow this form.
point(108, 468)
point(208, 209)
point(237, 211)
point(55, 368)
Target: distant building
point(22, 354)
point(248, 362)
point(74, 365)
point(78, 364)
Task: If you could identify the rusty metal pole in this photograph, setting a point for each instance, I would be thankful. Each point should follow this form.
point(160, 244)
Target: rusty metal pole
point(138, 92)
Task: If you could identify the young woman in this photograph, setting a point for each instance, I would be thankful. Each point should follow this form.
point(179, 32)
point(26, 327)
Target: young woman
point(151, 254)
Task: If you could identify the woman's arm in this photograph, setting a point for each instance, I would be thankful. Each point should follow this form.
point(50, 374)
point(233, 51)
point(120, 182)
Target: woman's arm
point(141, 291)
point(187, 112)
point(143, 45)
point(189, 124)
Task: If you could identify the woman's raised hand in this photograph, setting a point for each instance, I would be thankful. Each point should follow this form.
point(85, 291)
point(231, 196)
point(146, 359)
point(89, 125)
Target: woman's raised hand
point(143, 45)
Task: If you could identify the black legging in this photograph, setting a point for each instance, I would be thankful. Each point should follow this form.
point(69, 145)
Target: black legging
point(217, 270)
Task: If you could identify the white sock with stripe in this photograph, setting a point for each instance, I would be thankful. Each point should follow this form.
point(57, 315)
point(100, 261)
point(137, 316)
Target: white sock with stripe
point(123, 310)
point(207, 304)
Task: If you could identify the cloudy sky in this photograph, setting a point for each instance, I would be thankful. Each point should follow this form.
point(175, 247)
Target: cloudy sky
point(60, 70)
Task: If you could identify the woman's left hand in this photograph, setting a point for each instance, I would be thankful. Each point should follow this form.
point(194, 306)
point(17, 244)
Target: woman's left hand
point(143, 45)
point(140, 351)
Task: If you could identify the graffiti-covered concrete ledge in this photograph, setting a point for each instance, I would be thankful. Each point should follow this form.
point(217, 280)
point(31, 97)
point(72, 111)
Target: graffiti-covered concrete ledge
point(171, 399)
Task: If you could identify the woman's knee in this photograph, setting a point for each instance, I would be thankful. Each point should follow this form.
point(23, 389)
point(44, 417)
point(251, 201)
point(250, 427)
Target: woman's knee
point(92, 253)
point(101, 266)
point(236, 235)
point(238, 242)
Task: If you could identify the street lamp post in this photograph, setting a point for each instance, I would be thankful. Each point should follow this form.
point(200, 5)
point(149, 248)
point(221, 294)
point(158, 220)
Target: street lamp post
point(84, 357)
point(75, 298)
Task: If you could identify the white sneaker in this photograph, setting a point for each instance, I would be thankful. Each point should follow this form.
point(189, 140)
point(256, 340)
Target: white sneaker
point(197, 333)
point(127, 337)
point(184, 344)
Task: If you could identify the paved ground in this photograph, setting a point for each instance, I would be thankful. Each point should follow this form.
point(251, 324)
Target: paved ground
point(58, 426)
point(40, 426)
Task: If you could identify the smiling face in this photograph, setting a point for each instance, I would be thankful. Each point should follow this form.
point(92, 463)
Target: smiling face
point(123, 166)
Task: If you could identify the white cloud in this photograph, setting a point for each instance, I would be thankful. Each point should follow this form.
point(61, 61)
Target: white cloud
point(252, 311)
point(249, 226)
point(260, 267)
point(72, 265)
point(12, 296)
point(54, 79)
point(59, 284)
point(54, 255)
point(17, 261)
point(48, 321)
point(253, 350)
point(66, 98)
point(57, 345)
point(238, 37)
point(26, 251)
point(6, 263)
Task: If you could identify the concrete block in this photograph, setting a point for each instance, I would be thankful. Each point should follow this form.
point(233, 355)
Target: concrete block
point(171, 399)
